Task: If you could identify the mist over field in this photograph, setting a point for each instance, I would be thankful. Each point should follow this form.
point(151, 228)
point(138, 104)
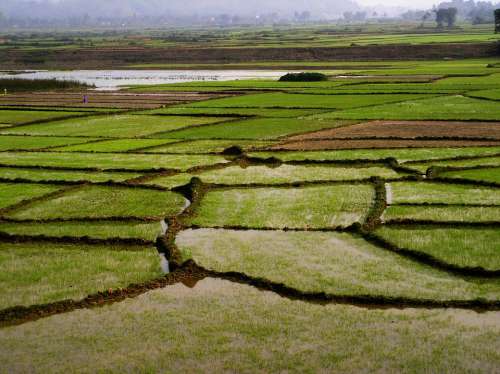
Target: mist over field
point(179, 8)
point(153, 13)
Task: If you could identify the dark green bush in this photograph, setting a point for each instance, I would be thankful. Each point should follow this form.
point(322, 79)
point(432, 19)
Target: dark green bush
point(303, 77)
point(20, 85)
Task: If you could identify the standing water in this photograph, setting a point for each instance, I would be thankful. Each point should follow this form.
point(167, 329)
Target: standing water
point(113, 79)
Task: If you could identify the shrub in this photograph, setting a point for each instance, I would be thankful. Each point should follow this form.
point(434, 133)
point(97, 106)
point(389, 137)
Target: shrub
point(19, 85)
point(303, 77)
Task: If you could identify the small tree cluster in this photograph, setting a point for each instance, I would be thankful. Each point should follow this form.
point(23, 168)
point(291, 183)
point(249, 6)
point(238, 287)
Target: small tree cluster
point(303, 77)
point(497, 21)
point(446, 16)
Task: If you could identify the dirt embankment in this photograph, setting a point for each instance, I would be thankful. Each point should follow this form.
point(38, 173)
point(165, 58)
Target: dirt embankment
point(99, 58)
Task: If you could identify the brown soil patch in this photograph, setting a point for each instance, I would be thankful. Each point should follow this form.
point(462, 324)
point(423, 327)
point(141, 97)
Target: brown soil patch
point(105, 99)
point(409, 130)
point(101, 58)
point(308, 145)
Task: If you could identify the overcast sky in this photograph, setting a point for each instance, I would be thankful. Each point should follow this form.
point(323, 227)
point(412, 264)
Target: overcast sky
point(319, 9)
point(417, 4)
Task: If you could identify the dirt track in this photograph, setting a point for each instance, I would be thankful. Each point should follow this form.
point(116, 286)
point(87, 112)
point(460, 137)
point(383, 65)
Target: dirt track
point(102, 58)
point(408, 130)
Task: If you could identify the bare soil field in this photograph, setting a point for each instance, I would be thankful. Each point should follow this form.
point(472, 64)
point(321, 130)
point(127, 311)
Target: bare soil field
point(104, 99)
point(408, 130)
point(102, 58)
point(308, 145)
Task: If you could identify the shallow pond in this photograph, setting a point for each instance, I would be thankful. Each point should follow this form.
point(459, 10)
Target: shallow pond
point(112, 79)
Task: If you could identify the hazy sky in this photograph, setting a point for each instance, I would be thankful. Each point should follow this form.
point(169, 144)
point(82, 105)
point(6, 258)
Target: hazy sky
point(324, 9)
point(417, 4)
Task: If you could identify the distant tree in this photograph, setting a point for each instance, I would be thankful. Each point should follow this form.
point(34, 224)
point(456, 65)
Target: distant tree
point(302, 16)
point(497, 21)
point(348, 16)
point(446, 15)
point(452, 17)
point(425, 17)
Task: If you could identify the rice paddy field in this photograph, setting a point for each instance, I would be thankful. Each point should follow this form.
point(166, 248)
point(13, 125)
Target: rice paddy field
point(350, 225)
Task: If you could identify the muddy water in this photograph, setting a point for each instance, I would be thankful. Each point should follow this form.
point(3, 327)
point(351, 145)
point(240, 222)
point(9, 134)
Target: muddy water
point(164, 264)
point(113, 79)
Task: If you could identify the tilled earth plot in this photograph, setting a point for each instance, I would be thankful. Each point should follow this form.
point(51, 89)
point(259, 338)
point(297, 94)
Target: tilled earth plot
point(224, 258)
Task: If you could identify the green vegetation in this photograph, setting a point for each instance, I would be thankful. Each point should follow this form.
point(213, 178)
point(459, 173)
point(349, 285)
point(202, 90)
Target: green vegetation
point(97, 201)
point(311, 207)
point(236, 85)
point(487, 94)
point(21, 85)
point(223, 326)
point(236, 112)
point(11, 194)
point(402, 155)
point(392, 88)
point(208, 146)
point(35, 142)
point(291, 174)
point(59, 175)
point(460, 246)
point(284, 100)
point(108, 161)
point(440, 108)
point(119, 126)
point(171, 181)
point(443, 214)
point(100, 230)
point(277, 175)
point(37, 273)
point(414, 192)
point(303, 77)
point(17, 117)
point(260, 128)
point(264, 223)
point(120, 145)
point(323, 262)
point(474, 162)
point(488, 175)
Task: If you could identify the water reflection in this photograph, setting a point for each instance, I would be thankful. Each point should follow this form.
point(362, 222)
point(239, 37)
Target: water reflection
point(112, 79)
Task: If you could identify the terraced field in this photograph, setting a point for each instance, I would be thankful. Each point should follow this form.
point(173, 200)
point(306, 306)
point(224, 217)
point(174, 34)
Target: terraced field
point(270, 231)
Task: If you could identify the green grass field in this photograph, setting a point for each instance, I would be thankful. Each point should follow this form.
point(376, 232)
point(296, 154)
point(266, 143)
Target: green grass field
point(17, 117)
point(404, 192)
point(488, 175)
point(12, 194)
point(117, 126)
point(8, 143)
point(38, 175)
point(292, 174)
point(258, 128)
point(283, 100)
point(311, 207)
point(99, 230)
point(460, 246)
point(440, 108)
point(443, 214)
point(139, 245)
point(40, 273)
point(322, 262)
point(94, 202)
